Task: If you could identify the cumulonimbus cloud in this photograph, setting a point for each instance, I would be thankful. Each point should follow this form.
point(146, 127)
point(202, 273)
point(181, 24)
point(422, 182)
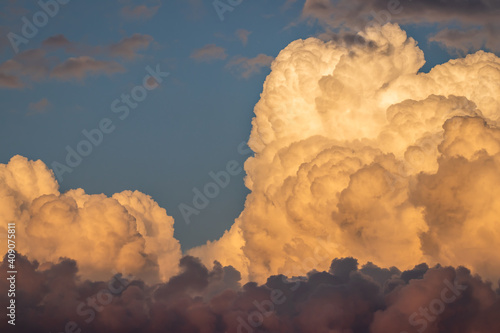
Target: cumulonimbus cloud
point(358, 153)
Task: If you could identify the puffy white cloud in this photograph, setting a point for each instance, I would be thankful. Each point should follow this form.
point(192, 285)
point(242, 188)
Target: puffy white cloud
point(127, 233)
point(353, 149)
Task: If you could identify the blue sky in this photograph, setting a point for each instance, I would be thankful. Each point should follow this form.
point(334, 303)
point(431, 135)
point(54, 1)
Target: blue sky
point(190, 125)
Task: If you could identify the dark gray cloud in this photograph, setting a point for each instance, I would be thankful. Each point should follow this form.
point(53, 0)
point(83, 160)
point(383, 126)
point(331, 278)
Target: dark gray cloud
point(478, 19)
point(38, 64)
point(198, 299)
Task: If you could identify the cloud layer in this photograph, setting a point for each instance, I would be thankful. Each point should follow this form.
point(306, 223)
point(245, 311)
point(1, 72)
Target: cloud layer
point(477, 20)
point(345, 298)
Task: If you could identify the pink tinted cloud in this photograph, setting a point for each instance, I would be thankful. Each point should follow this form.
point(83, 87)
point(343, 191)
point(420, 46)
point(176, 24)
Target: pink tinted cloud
point(209, 53)
point(80, 67)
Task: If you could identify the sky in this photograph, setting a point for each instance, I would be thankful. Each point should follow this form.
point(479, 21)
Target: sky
point(252, 165)
point(190, 126)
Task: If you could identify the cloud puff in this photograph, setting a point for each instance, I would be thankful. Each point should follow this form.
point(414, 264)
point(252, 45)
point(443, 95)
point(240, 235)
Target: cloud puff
point(359, 154)
point(246, 67)
point(128, 232)
point(209, 53)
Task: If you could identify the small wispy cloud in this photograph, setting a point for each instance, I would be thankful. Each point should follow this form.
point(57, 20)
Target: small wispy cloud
point(39, 107)
point(243, 34)
point(246, 67)
point(80, 67)
point(208, 53)
point(56, 41)
point(128, 47)
point(145, 11)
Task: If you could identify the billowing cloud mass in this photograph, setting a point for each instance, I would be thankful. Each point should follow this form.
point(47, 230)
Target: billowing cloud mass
point(357, 153)
point(345, 298)
point(126, 233)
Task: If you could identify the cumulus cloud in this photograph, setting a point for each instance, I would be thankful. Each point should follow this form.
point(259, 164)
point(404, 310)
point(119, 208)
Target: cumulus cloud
point(359, 154)
point(127, 232)
point(209, 53)
point(246, 67)
point(345, 298)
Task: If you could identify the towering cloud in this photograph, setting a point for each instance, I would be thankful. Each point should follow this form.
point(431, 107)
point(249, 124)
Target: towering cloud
point(357, 153)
